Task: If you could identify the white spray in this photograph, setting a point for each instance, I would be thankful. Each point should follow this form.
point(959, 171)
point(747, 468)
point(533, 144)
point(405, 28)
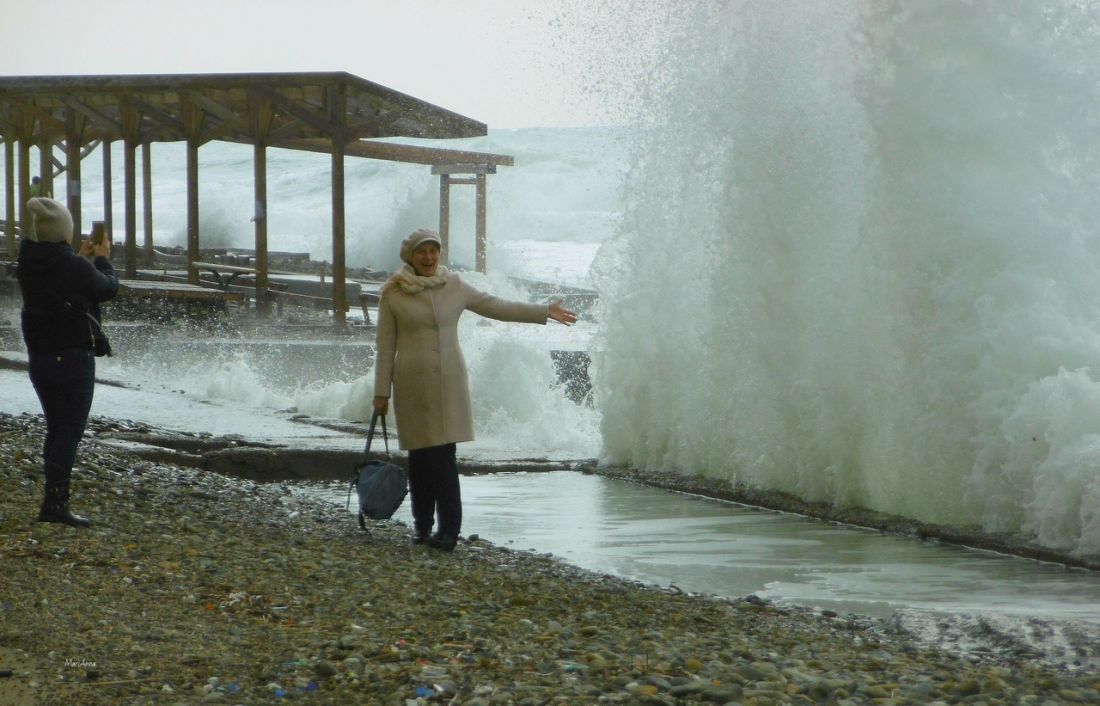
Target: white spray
point(861, 264)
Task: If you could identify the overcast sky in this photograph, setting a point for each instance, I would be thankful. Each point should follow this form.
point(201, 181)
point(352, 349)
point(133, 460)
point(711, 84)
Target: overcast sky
point(509, 63)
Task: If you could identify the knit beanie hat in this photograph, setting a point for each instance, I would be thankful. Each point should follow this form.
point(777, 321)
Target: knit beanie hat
point(52, 221)
point(418, 236)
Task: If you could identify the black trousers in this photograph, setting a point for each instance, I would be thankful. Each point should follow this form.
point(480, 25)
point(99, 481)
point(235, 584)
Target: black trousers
point(433, 488)
point(64, 381)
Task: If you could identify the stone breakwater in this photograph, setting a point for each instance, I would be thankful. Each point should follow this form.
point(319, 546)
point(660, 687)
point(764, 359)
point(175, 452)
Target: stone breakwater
point(194, 587)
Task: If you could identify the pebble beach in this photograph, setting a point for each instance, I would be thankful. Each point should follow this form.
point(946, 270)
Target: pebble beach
point(193, 587)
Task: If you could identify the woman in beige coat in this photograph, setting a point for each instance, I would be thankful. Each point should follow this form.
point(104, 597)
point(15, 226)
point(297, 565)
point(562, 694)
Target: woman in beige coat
point(417, 356)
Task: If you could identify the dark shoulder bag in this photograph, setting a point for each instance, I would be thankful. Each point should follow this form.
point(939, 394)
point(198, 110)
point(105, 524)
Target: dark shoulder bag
point(380, 485)
point(100, 343)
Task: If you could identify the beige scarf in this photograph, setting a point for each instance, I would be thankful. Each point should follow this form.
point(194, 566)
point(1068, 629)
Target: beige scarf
point(412, 283)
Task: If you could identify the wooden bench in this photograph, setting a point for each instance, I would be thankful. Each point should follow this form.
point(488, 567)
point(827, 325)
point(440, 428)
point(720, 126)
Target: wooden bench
point(217, 269)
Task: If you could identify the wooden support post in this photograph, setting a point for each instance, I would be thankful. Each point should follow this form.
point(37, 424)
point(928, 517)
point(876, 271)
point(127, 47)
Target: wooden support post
point(444, 216)
point(259, 162)
point(261, 116)
point(9, 193)
point(24, 185)
point(147, 201)
point(108, 196)
point(339, 275)
point(192, 210)
point(131, 135)
point(192, 128)
point(481, 181)
point(130, 170)
point(337, 106)
point(74, 137)
point(45, 168)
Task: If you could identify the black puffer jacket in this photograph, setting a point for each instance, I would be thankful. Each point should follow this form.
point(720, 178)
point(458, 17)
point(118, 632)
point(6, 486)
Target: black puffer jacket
point(59, 287)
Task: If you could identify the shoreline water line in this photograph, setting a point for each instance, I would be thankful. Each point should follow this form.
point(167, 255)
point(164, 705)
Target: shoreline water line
point(262, 462)
point(266, 462)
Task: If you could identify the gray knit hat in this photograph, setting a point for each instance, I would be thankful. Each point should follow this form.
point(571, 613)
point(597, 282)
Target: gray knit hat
point(52, 221)
point(418, 236)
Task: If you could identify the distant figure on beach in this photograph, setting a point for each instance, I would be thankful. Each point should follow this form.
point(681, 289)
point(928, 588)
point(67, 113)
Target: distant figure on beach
point(418, 357)
point(60, 318)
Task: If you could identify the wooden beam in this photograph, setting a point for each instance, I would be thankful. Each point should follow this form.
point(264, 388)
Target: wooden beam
point(97, 117)
point(313, 118)
point(154, 113)
point(396, 152)
point(211, 106)
point(464, 168)
point(48, 119)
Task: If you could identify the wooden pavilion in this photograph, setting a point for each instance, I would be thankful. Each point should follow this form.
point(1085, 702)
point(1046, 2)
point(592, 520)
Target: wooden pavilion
point(334, 113)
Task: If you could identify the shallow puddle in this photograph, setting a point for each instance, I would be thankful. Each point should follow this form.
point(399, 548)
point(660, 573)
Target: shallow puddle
point(952, 596)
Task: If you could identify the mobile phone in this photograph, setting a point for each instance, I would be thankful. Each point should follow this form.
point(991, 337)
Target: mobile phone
point(99, 232)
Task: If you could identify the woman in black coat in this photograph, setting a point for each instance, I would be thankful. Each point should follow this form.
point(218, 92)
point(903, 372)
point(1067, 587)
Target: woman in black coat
point(60, 319)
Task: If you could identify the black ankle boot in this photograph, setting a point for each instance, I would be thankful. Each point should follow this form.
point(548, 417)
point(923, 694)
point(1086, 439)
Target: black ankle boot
point(445, 542)
point(55, 507)
point(420, 534)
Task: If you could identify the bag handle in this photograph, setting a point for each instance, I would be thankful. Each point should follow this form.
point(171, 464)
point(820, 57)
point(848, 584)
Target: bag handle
point(370, 434)
point(370, 437)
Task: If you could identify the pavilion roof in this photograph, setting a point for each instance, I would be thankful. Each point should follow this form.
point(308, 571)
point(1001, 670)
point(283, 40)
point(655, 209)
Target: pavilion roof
point(276, 109)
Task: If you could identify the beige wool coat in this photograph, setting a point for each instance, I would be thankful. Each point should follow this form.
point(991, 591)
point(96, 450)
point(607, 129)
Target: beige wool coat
point(417, 356)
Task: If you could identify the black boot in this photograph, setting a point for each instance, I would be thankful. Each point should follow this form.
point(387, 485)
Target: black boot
point(420, 535)
point(444, 542)
point(55, 506)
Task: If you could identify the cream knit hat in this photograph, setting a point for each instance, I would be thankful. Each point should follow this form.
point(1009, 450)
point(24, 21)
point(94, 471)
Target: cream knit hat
point(52, 221)
point(418, 236)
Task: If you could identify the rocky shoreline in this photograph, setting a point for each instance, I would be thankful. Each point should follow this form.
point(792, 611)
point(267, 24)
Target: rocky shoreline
point(195, 587)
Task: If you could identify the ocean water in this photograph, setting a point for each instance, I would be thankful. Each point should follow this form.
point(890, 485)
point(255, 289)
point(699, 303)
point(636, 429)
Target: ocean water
point(860, 264)
point(547, 216)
